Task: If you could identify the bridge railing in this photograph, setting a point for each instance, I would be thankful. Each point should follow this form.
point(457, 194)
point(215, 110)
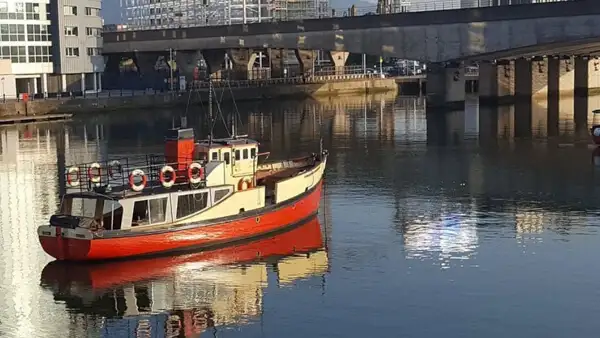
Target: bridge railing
point(414, 6)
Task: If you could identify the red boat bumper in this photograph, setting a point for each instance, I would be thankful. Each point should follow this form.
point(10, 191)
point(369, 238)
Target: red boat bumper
point(68, 247)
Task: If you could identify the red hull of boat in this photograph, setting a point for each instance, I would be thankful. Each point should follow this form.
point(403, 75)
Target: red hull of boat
point(303, 238)
point(202, 236)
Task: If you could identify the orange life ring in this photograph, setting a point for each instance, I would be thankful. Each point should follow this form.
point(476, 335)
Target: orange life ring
point(195, 179)
point(243, 181)
point(141, 185)
point(70, 181)
point(167, 176)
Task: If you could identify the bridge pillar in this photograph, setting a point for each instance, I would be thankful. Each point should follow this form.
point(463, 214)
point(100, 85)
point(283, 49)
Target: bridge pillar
point(339, 60)
point(523, 95)
point(488, 83)
point(188, 64)
point(276, 61)
point(581, 91)
point(242, 60)
point(445, 86)
point(214, 59)
point(306, 60)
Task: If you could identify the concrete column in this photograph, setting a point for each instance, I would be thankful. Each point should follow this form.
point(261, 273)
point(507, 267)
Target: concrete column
point(523, 93)
point(45, 84)
point(214, 59)
point(523, 78)
point(581, 94)
point(581, 76)
point(445, 86)
point(276, 60)
point(553, 75)
point(306, 60)
point(35, 86)
point(82, 82)
point(63, 84)
point(339, 61)
point(553, 96)
point(488, 83)
point(242, 60)
point(95, 81)
point(187, 63)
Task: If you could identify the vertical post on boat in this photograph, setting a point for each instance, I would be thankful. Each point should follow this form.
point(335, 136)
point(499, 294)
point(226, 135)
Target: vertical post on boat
point(210, 115)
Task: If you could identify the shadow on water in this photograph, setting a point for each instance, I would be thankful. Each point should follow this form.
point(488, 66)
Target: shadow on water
point(462, 217)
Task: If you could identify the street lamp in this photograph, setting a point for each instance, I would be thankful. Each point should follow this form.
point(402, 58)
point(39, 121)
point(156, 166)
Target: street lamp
point(3, 92)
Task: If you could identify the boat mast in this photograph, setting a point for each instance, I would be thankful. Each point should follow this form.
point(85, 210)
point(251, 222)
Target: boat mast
point(210, 114)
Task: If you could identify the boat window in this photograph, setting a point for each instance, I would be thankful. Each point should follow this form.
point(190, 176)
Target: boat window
point(191, 203)
point(219, 194)
point(215, 156)
point(112, 215)
point(149, 211)
point(245, 154)
point(237, 155)
point(226, 157)
point(253, 152)
point(79, 207)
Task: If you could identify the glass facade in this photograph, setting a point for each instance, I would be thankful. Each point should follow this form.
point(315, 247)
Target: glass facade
point(24, 31)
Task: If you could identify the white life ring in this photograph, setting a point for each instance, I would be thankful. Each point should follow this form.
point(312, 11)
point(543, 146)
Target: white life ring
point(165, 180)
point(200, 177)
point(70, 181)
point(94, 178)
point(140, 186)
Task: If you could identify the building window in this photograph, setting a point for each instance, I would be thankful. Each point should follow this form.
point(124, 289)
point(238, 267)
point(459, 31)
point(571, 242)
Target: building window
point(12, 32)
point(70, 10)
point(91, 31)
point(38, 33)
point(91, 11)
point(39, 54)
point(71, 31)
point(16, 54)
point(72, 51)
point(94, 51)
point(32, 11)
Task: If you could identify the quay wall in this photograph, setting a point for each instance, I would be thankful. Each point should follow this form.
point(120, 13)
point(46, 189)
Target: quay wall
point(142, 100)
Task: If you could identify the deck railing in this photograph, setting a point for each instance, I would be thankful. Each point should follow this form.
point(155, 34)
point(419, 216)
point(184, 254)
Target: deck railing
point(147, 173)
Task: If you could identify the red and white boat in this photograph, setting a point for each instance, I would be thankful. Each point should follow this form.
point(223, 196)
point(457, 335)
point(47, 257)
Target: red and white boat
point(196, 195)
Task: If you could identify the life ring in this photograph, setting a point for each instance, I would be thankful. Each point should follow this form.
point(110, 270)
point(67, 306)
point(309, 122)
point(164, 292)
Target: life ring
point(70, 181)
point(113, 167)
point(141, 185)
point(167, 176)
point(245, 181)
point(190, 173)
point(90, 172)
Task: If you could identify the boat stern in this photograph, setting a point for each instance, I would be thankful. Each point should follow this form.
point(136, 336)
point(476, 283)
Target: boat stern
point(64, 243)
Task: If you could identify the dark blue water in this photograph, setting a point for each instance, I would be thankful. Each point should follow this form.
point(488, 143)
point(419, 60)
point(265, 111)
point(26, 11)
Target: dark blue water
point(430, 225)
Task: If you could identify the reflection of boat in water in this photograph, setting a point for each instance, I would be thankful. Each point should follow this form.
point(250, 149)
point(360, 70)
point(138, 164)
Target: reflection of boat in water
point(187, 293)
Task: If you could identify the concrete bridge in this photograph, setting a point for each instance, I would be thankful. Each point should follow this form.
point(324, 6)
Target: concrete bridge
point(433, 36)
point(523, 50)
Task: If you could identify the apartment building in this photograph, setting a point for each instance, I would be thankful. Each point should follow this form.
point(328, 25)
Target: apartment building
point(49, 46)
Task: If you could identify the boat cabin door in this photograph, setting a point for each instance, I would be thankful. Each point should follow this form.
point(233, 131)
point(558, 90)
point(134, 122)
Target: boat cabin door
point(226, 157)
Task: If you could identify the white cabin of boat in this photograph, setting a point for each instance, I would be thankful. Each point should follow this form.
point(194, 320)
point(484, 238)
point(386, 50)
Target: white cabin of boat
point(233, 182)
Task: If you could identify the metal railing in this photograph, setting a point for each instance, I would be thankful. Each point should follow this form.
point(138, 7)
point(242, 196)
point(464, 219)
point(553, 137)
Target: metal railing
point(414, 6)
